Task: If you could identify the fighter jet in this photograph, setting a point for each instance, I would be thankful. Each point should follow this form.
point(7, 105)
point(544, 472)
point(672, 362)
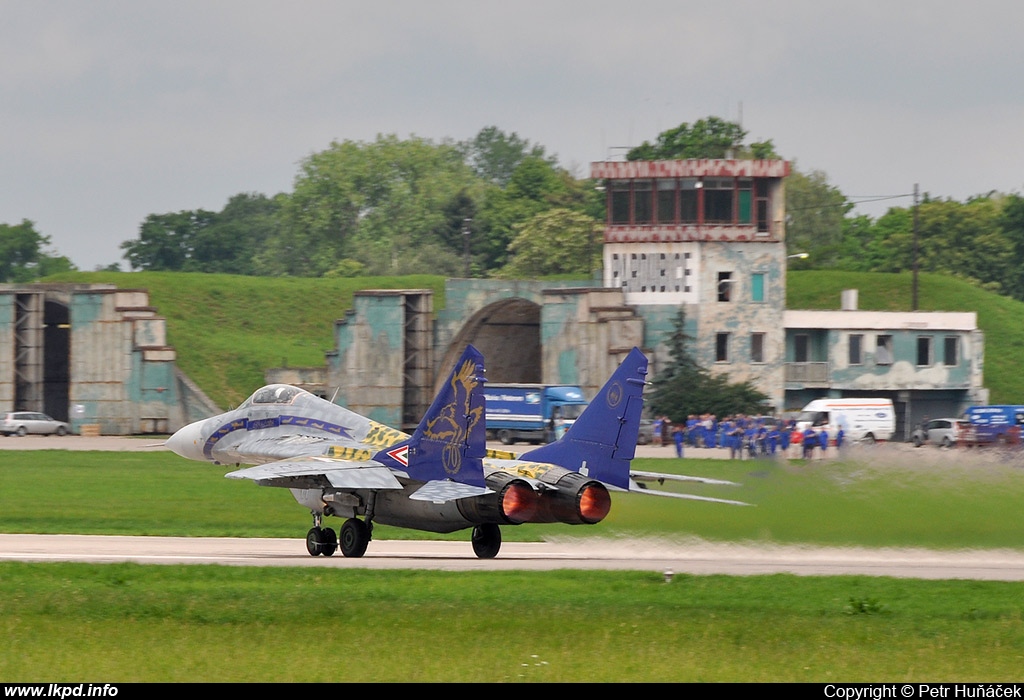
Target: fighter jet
point(441, 478)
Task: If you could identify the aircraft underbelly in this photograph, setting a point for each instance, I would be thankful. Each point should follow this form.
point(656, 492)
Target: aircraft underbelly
point(397, 509)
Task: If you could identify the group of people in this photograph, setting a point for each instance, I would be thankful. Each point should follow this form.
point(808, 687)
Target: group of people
point(748, 436)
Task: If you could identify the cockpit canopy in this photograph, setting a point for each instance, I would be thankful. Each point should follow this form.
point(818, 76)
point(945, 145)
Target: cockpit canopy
point(275, 395)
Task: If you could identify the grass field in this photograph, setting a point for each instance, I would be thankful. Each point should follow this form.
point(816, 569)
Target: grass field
point(930, 498)
point(123, 622)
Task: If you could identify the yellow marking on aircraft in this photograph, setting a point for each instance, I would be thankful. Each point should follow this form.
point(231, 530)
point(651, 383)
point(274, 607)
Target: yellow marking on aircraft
point(533, 470)
point(499, 454)
point(354, 453)
point(381, 435)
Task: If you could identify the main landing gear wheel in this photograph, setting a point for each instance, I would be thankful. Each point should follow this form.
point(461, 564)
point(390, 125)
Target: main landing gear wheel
point(354, 538)
point(328, 542)
point(486, 541)
point(316, 541)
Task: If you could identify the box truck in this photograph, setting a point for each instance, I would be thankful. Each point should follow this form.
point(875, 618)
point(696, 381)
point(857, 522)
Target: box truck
point(993, 424)
point(531, 412)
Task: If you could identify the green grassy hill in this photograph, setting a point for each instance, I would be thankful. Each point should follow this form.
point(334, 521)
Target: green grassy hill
point(999, 317)
point(227, 329)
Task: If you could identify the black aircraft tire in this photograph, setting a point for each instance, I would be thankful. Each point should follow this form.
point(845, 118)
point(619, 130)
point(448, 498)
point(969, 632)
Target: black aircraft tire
point(354, 538)
point(314, 541)
point(329, 542)
point(486, 541)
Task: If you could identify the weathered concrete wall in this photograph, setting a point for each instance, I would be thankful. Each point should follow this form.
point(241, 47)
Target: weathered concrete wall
point(113, 367)
point(123, 375)
point(6, 352)
point(585, 334)
point(367, 366)
point(744, 314)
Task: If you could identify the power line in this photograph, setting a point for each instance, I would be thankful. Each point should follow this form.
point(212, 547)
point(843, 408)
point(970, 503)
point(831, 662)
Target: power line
point(848, 201)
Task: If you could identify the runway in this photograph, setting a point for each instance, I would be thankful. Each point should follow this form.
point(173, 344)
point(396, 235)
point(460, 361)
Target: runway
point(693, 557)
point(592, 553)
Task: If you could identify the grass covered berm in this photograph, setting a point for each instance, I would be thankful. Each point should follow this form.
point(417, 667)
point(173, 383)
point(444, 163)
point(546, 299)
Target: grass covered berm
point(228, 329)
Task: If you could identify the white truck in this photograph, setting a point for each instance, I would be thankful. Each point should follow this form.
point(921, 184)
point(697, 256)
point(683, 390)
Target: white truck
point(867, 420)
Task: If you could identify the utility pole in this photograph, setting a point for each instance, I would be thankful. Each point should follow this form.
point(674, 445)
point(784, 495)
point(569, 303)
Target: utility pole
point(913, 305)
point(465, 245)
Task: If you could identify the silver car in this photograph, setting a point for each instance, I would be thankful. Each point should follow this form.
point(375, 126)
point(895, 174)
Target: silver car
point(943, 432)
point(23, 423)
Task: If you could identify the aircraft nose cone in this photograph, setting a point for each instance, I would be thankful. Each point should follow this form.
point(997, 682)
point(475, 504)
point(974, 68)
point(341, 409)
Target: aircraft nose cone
point(187, 442)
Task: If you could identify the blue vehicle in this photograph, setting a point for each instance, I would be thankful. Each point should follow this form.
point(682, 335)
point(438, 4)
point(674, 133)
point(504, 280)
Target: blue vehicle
point(532, 413)
point(994, 424)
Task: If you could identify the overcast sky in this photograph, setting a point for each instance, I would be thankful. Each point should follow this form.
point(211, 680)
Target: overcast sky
point(113, 110)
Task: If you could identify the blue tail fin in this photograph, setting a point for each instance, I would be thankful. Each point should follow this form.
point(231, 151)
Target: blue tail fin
point(602, 441)
point(450, 442)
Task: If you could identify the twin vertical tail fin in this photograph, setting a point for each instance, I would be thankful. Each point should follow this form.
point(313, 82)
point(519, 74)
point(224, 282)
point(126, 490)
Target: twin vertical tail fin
point(450, 442)
point(602, 441)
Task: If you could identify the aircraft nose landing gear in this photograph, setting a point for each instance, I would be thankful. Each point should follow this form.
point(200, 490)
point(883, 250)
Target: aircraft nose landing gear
point(321, 540)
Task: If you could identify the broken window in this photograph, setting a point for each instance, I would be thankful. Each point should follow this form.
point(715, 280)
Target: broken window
point(757, 347)
point(722, 347)
point(883, 350)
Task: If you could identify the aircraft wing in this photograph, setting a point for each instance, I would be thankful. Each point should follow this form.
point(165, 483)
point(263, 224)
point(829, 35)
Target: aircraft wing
point(639, 480)
point(662, 478)
point(311, 472)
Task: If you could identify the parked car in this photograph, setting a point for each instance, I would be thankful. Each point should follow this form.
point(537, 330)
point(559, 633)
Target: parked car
point(646, 435)
point(23, 423)
point(944, 432)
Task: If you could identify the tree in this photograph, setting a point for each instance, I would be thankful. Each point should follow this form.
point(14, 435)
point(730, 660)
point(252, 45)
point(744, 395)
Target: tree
point(536, 186)
point(374, 203)
point(494, 155)
point(554, 242)
point(166, 241)
point(815, 212)
point(1011, 222)
point(684, 388)
point(23, 256)
point(233, 240)
point(707, 138)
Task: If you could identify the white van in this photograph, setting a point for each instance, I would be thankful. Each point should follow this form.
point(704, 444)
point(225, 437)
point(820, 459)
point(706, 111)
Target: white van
point(868, 420)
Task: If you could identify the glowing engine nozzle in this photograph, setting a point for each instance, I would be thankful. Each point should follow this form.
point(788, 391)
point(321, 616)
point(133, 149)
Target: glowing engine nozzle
point(519, 503)
point(578, 501)
point(594, 503)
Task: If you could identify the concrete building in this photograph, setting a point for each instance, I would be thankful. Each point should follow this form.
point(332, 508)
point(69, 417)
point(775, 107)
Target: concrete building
point(92, 355)
point(707, 237)
point(928, 363)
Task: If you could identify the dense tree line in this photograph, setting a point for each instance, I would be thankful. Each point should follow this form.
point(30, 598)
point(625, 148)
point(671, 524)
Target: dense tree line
point(502, 206)
point(391, 206)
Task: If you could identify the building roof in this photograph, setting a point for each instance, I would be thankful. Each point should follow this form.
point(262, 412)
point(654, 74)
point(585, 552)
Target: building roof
point(881, 320)
point(689, 168)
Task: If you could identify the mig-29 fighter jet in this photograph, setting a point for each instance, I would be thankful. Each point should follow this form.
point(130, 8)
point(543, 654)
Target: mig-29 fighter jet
point(441, 478)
